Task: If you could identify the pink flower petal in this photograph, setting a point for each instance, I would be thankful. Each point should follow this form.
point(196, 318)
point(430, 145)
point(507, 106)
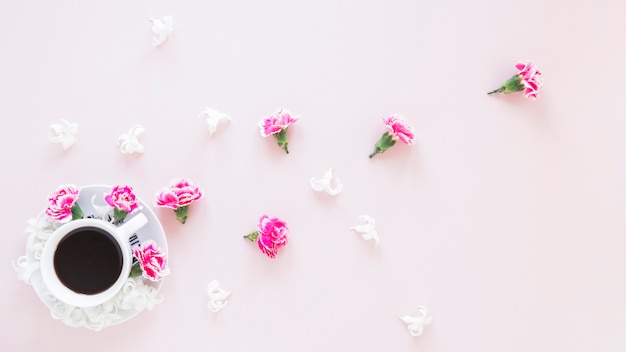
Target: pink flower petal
point(60, 203)
point(151, 260)
point(275, 123)
point(273, 234)
point(400, 128)
point(180, 193)
point(531, 78)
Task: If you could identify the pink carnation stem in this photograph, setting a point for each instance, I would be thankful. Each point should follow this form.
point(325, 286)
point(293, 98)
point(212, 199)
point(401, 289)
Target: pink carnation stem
point(499, 90)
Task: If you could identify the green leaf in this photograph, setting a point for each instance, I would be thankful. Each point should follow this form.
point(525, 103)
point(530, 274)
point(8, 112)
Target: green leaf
point(513, 84)
point(77, 212)
point(282, 140)
point(119, 214)
point(385, 142)
point(181, 214)
point(135, 270)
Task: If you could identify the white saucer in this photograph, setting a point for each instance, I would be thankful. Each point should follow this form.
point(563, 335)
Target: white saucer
point(137, 295)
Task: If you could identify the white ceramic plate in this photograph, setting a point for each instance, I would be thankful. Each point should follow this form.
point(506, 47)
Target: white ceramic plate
point(152, 230)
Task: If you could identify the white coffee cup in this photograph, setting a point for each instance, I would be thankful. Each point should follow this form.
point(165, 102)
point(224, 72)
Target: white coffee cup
point(86, 262)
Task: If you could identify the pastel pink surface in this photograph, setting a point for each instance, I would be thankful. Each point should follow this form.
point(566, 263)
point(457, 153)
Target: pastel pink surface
point(505, 218)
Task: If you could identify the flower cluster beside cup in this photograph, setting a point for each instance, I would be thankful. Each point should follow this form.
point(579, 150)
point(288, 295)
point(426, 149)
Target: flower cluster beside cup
point(151, 261)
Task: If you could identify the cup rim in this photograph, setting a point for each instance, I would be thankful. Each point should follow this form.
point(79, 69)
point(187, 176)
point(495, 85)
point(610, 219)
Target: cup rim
point(65, 294)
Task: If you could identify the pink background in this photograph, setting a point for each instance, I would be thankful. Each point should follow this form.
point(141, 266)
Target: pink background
point(505, 219)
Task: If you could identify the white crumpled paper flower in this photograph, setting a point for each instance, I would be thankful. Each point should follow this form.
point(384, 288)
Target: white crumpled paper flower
point(100, 210)
point(416, 324)
point(213, 118)
point(217, 296)
point(64, 133)
point(38, 231)
point(24, 269)
point(163, 29)
point(325, 184)
point(40, 227)
point(134, 296)
point(368, 229)
point(129, 143)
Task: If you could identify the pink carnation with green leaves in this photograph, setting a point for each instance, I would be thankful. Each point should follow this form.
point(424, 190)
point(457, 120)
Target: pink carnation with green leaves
point(178, 196)
point(151, 260)
point(276, 125)
point(528, 79)
point(62, 204)
point(271, 235)
point(123, 201)
point(397, 129)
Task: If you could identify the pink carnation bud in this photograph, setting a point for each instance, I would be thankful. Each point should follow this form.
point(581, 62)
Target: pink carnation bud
point(123, 200)
point(397, 129)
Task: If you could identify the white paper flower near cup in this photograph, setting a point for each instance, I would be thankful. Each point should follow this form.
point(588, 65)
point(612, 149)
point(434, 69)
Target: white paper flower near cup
point(121, 237)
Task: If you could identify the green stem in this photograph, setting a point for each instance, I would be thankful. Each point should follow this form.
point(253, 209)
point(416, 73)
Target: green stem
point(281, 139)
point(385, 142)
point(499, 90)
point(377, 150)
point(252, 236)
point(512, 85)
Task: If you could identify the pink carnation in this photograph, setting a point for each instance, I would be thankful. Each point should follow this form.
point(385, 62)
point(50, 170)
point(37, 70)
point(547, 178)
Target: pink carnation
point(180, 193)
point(277, 122)
point(60, 203)
point(151, 260)
point(527, 79)
point(399, 128)
point(272, 235)
point(531, 78)
point(123, 198)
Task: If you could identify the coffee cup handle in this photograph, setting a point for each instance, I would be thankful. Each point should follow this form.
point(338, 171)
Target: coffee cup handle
point(134, 224)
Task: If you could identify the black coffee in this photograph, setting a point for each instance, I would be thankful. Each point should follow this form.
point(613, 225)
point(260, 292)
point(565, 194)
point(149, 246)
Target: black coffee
point(88, 260)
